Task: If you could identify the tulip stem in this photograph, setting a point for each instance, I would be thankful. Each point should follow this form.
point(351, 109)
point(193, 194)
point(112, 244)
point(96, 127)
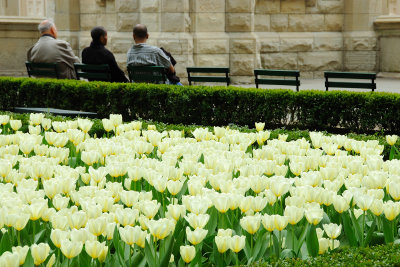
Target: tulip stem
point(33, 236)
point(362, 230)
point(19, 238)
point(130, 255)
point(251, 245)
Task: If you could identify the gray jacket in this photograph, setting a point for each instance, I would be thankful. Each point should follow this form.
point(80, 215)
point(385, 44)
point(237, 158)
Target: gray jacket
point(51, 50)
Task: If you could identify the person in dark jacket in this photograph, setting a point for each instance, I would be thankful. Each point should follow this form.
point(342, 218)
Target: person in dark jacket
point(97, 54)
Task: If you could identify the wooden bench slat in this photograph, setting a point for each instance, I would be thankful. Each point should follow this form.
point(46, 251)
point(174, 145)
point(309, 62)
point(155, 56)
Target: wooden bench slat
point(208, 69)
point(278, 82)
point(209, 79)
point(351, 85)
point(350, 75)
point(288, 73)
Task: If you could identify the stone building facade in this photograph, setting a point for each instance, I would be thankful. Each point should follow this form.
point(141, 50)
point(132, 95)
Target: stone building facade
point(309, 35)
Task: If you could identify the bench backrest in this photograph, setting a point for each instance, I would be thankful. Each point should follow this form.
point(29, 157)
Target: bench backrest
point(209, 70)
point(48, 70)
point(350, 75)
point(93, 72)
point(282, 73)
point(147, 74)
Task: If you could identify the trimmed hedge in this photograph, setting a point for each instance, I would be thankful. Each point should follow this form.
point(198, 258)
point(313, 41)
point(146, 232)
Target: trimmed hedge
point(383, 255)
point(203, 105)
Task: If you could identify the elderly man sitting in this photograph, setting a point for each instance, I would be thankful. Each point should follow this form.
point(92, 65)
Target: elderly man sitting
point(142, 54)
point(50, 50)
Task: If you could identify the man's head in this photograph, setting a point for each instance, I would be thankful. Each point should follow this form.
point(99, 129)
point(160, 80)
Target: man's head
point(99, 35)
point(140, 34)
point(48, 27)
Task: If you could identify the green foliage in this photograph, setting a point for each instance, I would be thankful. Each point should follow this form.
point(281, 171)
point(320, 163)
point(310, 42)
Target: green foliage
point(384, 255)
point(218, 105)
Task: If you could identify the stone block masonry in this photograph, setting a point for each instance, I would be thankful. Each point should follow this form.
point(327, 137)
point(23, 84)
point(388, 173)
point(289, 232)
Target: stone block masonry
point(309, 35)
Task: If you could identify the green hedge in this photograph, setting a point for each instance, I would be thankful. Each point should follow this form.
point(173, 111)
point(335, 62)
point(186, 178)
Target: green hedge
point(383, 255)
point(313, 110)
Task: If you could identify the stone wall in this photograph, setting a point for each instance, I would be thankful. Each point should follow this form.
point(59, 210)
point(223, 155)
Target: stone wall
point(309, 35)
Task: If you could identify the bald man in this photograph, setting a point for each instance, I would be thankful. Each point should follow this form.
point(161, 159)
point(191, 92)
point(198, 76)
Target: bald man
point(50, 50)
point(142, 54)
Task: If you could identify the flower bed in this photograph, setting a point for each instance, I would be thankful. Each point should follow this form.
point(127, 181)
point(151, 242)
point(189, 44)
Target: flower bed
point(139, 196)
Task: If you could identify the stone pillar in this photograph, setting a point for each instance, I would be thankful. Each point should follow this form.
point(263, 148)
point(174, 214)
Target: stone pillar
point(388, 31)
point(210, 41)
point(242, 40)
point(360, 40)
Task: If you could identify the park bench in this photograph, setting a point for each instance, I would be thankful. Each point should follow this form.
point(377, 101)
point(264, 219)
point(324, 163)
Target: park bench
point(147, 74)
point(350, 75)
point(56, 112)
point(208, 78)
point(48, 70)
point(281, 73)
point(93, 72)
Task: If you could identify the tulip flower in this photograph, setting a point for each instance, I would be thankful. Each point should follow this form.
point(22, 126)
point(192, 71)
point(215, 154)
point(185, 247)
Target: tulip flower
point(221, 203)
point(376, 207)
point(260, 126)
point(161, 228)
point(197, 221)
point(95, 248)
point(22, 252)
point(195, 237)
point(187, 253)
point(97, 226)
point(9, 259)
point(223, 243)
point(332, 230)
point(391, 210)
point(36, 118)
point(293, 214)
point(40, 252)
point(57, 236)
point(268, 222)
point(15, 124)
point(250, 224)
point(391, 139)
point(314, 216)
point(71, 249)
point(237, 243)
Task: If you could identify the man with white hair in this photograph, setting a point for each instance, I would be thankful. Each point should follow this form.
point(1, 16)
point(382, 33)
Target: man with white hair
point(50, 50)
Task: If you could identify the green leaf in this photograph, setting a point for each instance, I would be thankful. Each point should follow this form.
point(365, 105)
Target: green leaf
point(218, 257)
point(356, 226)
point(312, 241)
point(149, 255)
point(212, 222)
point(259, 242)
point(39, 235)
point(288, 253)
point(5, 244)
point(388, 231)
point(167, 246)
point(28, 260)
point(370, 232)
point(302, 238)
point(348, 229)
point(277, 249)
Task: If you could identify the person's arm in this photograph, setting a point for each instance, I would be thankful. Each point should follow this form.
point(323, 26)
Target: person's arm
point(117, 74)
point(165, 62)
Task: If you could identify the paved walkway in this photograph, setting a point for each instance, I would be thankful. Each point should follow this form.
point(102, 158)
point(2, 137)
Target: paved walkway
point(382, 85)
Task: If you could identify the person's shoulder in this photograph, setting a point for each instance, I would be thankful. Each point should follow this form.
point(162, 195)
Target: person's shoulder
point(62, 43)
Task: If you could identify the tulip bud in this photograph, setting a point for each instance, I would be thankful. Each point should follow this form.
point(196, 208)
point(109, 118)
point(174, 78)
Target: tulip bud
point(40, 252)
point(187, 253)
point(237, 243)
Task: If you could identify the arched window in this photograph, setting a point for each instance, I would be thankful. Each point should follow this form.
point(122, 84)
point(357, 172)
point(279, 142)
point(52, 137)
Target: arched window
point(23, 8)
